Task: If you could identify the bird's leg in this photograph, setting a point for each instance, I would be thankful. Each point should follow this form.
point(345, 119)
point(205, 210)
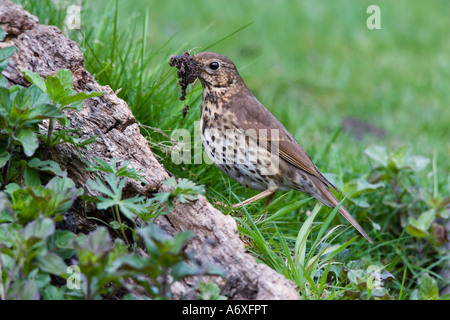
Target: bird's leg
point(267, 193)
point(269, 199)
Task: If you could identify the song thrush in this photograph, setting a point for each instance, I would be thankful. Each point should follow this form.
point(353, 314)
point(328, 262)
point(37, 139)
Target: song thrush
point(245, 140)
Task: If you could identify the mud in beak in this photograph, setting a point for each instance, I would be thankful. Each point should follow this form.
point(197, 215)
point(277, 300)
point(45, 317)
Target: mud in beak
point(188, 70)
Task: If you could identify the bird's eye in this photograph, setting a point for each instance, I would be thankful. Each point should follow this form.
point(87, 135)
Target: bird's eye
point(214, 65)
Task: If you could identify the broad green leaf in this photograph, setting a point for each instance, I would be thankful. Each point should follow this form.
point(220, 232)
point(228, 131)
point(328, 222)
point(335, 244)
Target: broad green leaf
point(65, 78)
point(45, 111)
point(79, 97)
point(24, 290)
point(4, 157)
point(47, 166)
point(11, 187)
point(5, 102)
point(35, 79)
point(428, 289)
point(7, 52)
point(22, 99)
point(52, 293)
point(37, 96)
point(3, 82)
point(417, 163)
point(28, 140)
point(378, 153)
point(51, 263)
point(180, 238)
point(31, 177)
point(40, 228)
point(399, 156)
point(419, 227)
point(97, 242)
point(183, 269)
point(54, 89)
point(152, 233)
point(65, 193)
point(2, 34)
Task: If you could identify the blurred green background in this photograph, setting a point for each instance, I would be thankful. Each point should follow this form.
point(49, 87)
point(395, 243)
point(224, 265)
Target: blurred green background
point(315, 63)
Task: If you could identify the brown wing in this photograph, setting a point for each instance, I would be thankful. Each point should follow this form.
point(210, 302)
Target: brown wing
point(253, 115)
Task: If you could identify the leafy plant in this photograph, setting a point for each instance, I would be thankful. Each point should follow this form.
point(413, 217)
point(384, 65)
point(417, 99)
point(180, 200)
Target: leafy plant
point(209, 291)
point(59, 90)
point(23, 109)
point(25, 260)
point(103, 262)
point(111, 189)
point(418, 207)
point(167, 261)
point(51, 200)
point(182, 190)
point(368, 284)
point(427, 289)
point(122, 171)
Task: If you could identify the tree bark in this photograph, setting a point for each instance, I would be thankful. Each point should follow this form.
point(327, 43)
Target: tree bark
point(45, 50)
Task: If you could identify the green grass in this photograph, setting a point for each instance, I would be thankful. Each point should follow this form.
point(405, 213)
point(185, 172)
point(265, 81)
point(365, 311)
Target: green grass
point(313, 64)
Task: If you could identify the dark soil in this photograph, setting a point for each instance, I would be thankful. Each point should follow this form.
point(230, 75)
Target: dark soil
point(188, 71)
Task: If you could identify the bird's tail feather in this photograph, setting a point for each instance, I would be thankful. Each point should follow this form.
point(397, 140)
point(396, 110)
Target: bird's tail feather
point(330, 200)
point(354, 223)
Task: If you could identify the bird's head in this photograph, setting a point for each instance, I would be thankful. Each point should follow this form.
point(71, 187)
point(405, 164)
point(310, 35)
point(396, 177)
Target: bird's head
point(216, 70)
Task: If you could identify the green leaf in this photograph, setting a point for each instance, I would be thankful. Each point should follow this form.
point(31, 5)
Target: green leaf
point(418, 163)
point(64, 239)
point(124, 171)
point(5, 102)
point(398, 157)
point(29, 141)
point(35, 79)
point(4, 157)
point(52, 293)
point(115, 193)
point(96, 245)
point(22, 99)
point(153, 233)
point(63, 136)
point(180, 239)
point(378, 153)
point(65, 78)
point(65, 193)
point(45, 111)
point(47, 166)
point(78, 97)
point(7, 52)
point(209, 291)
point(428, 289)
point(2, 34)
point(31, 177)
point(51, 263)
point(182, 270)
point(419, 227)
point(40, 229)
point(37, 96)
point(3, 82)
point(11, 187)
point(24, 290)
point(54, 89)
